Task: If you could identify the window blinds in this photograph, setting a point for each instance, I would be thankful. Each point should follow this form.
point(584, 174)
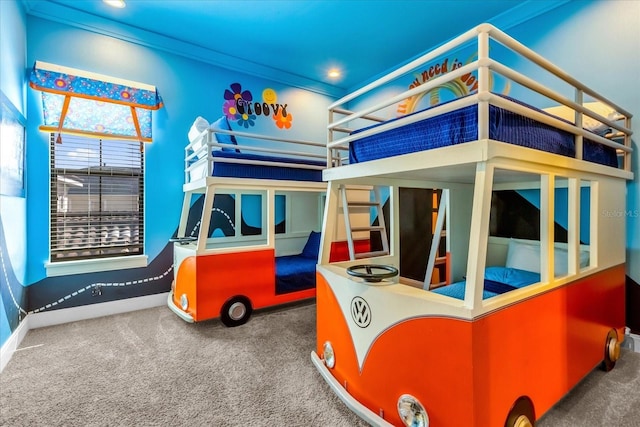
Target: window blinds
point(97, 195)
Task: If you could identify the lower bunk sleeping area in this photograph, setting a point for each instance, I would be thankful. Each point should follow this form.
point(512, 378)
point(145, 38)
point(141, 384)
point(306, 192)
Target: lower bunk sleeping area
point(295, 273)
point(298, 272)
point(521, 268)
point(497, 280)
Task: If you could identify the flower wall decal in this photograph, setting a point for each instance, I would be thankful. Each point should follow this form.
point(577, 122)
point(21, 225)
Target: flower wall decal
point(239, 106)
point(282, 121)
point(236, 93)
point(247, 120)
point(230, 110)
point(233, 105)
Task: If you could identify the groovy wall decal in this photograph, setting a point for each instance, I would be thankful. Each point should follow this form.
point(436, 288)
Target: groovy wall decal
point(240, 106)
point(459, 87)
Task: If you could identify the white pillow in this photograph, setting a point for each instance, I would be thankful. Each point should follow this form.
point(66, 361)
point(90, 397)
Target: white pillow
point(588, 123)
point(560, 262)
point(584, 258)
point(525, 255)
point(198, 126)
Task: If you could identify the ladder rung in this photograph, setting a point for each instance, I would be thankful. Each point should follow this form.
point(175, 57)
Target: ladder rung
point(363, 204)
point(370, 228)
point(437, 285)
point(441, 260)
point(361, 255)
point(347, 206)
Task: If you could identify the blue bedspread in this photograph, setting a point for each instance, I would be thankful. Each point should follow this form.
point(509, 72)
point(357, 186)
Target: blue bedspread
point(461, 126)
point(498, 280)
point(236, 170)
point(295, 273)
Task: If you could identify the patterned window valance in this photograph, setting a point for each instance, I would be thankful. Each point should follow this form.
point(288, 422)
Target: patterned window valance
point(80, 102)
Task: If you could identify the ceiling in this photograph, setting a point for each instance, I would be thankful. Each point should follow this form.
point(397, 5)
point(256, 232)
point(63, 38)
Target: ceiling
point(295, 42)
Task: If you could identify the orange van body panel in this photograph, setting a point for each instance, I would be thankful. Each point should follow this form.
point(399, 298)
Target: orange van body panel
point(185, 283)
point(470, 372)
point(210, 280)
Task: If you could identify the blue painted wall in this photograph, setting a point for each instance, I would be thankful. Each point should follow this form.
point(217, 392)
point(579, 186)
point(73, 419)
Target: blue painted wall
point(13, 226)
point(598, 42)
point(189, 89)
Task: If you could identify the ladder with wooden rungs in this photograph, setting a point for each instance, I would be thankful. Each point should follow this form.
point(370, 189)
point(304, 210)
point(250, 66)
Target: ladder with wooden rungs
point(351, 206)
point(436, 258)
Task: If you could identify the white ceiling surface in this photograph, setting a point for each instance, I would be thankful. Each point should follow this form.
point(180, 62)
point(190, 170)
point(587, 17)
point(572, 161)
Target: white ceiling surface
point(294, 42)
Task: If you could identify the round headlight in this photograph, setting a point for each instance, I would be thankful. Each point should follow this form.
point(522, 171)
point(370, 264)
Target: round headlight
point(328, 355)
point(184, 302)
point(411, 412)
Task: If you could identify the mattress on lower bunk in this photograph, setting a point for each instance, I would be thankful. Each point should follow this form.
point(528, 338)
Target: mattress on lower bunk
point(260, 171)
point(295, 273)
point(461, 126)
point(497, 280)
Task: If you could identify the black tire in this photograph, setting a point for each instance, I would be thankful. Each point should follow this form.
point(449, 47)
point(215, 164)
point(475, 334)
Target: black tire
point(236, 311)
point(522, 413)
point(611, 350)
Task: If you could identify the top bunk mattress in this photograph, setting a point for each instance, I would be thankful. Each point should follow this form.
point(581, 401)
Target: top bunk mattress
point(235, 164)
point(459, 126)
point(213, 150)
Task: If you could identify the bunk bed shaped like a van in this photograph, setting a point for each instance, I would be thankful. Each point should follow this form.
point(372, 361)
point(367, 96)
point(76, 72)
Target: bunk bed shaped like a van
point(514, 323)
point(249, 229)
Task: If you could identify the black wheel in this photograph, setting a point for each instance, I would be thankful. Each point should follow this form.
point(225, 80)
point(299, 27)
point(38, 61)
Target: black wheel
point(372, 272)
point(521, 414)
point(611, 350)
point(236, 311)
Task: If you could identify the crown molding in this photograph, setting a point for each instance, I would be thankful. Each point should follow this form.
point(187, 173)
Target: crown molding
point(65, 15)
point(56, 12)
point(523, 12)
point(513, 17)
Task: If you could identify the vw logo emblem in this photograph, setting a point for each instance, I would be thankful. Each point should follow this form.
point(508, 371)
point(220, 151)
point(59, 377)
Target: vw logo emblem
point(360, 312)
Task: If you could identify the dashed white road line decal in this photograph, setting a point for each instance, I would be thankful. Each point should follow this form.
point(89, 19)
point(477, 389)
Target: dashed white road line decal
point(99, 285)
point(226, 215)
point(75, 293)
point(6, 278)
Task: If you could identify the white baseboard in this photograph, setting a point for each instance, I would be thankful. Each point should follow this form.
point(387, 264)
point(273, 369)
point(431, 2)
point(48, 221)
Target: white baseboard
point(73, 314)
point(10, 346)
point(91, 311)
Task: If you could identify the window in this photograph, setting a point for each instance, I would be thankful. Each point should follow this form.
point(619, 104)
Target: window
point(97, 198)
point(97, 125)
point(236, 215)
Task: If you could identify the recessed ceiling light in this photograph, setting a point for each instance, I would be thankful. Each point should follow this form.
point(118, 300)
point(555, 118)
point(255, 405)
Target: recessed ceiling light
point(334, 73)
point(115, 3)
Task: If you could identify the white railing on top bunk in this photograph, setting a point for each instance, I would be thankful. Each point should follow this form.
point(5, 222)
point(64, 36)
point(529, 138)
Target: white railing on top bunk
point(199, 161)
point(340, 115)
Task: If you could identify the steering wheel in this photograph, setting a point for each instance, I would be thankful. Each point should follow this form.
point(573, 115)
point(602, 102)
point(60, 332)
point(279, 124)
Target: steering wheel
point(372, 272)
point(183, 240)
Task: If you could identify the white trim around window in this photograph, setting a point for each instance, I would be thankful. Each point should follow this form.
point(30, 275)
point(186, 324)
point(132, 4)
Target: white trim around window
point(64, 268)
